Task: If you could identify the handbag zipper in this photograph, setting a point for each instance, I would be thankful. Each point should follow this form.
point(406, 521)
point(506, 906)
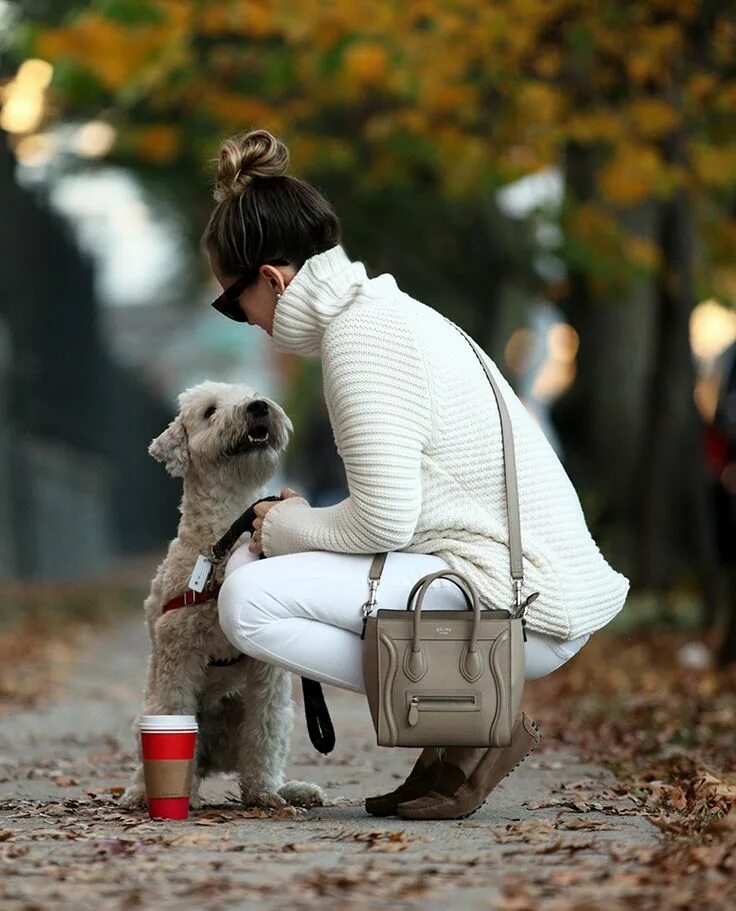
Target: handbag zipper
point(413, 717)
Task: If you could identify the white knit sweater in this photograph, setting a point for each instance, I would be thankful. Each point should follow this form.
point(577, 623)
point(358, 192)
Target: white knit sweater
point(416, 424)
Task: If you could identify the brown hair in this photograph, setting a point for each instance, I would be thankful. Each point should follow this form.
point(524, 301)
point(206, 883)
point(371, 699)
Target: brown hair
point(262, 213)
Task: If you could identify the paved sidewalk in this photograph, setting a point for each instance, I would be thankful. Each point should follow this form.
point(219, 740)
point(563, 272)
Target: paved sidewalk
point(64, 842)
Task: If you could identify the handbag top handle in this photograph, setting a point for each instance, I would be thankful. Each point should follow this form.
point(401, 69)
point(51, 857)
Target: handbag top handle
point(509, 464)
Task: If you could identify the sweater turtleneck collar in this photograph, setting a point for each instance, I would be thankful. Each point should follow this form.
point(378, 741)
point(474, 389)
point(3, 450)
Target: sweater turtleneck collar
point(324, 286)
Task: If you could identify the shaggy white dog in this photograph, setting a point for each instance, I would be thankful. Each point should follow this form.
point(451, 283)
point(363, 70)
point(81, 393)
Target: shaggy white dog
point(225, 443)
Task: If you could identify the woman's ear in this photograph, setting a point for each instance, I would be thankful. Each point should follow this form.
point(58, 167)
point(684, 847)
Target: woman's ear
point(171, 448)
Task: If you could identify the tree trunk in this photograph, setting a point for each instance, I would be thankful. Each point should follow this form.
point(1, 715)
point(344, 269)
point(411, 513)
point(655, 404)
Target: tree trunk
point(674, 526)
point(601, 417)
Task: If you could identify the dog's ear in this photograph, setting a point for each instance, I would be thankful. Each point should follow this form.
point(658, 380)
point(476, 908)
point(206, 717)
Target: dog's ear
point(171, 448)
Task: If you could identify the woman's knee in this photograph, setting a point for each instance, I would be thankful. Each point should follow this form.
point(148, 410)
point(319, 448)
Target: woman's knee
point(241, 556)
point(238, 606)
point(228, 606)
point(545, 654)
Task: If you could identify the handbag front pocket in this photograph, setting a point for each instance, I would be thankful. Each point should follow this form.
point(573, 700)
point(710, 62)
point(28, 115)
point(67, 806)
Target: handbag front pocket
point(440, 702)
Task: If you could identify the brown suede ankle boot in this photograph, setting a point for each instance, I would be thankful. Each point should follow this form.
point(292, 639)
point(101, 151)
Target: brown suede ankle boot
point(457, 794)
point(422, 777)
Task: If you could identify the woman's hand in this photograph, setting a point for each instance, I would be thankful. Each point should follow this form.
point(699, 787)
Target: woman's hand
point(260, 510)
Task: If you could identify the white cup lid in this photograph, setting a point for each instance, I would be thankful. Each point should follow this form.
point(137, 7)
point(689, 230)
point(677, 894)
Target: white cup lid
point(168, 723)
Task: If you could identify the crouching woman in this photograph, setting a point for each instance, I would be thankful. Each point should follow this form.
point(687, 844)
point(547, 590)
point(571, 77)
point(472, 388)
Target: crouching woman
point(417, 428)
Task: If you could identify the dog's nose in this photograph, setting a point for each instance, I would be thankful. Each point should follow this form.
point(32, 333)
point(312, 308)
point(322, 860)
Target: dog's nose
point(257, 409)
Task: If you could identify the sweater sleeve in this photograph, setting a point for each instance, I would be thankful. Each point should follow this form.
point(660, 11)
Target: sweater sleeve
point(378, 399)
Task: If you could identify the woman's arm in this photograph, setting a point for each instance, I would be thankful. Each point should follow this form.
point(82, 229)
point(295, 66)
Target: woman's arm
point(379, 402)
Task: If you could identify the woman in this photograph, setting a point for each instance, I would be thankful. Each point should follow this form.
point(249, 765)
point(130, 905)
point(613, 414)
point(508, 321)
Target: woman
point(416, 424)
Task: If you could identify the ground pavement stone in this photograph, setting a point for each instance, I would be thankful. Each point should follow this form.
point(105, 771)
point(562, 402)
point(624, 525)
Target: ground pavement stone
point(65, 843)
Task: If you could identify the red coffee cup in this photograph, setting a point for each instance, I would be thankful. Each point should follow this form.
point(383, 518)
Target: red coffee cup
point(168, 743)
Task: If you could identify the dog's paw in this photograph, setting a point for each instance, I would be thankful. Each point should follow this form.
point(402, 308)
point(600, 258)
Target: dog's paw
point(268, 799)
point(195, 801)
point(132, 797)
point(303, 794)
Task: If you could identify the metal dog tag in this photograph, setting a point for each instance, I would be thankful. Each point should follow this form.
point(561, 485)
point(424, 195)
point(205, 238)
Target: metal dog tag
point(200, 573)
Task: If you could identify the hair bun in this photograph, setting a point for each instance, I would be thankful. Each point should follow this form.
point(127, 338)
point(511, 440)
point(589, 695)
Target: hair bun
point(245, 156)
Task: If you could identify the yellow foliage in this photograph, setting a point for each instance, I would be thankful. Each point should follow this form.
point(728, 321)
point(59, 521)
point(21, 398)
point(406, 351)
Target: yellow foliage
point(57, 43)
point(215, 18)
point(700, 86)
point(727, 97)
point(540, 103)
point(433, 63)
point(460, 101)
point(724, 39)
point(652, 51)
point(630, 175)
point(180, 15)
point(233, 109)
point(414, 120)
point(318, 26)
point(641, 251)
point(665, 38)
point(379, 127)
point(114, 52)
point(714, 166)
point(652, 117)
point(516, 160)
point(471, 161)
point(722, 240)
point(158, 143)
point(365, 63)
point(592, 224)
point(601, 231)
point(259, 20)
point(685, 9)
point(641, 66)
point(548, 62)
point(596, 125)
point(723, 282)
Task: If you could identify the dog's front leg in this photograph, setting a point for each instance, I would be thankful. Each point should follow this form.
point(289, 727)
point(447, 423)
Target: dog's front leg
point(181, 666)
point(175, 680)
point(264, 736)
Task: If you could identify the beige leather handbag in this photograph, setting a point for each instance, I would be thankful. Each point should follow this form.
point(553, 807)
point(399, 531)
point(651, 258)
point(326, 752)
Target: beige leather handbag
point(449, 677)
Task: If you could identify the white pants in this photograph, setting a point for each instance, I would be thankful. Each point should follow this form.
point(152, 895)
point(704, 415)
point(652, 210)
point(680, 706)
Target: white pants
point(302, 611)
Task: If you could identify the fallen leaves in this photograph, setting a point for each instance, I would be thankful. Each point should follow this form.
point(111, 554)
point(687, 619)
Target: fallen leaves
point(43, 627)
point(394, 840)
point(669, 737)
point(668, 732)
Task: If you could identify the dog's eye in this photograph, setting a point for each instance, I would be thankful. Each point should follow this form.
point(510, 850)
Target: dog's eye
point(210, 411)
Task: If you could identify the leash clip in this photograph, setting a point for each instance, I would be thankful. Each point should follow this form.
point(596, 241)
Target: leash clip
point(521, 606)
point(369, 604)
point(214, 555)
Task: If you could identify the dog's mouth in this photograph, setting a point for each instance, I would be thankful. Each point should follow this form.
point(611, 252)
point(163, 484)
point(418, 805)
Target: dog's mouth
point(257, 437)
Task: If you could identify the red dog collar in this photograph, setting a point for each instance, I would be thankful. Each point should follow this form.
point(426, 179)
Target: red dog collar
point(190, 598)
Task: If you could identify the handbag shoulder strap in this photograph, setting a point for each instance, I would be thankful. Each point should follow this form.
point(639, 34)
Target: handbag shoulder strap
point(511, 478)
point(512, 497)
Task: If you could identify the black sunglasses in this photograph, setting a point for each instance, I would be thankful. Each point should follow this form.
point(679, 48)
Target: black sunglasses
point(227, 303)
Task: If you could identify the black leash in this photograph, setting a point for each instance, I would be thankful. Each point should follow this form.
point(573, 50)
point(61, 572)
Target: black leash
point(319, 724)
point(242, 524)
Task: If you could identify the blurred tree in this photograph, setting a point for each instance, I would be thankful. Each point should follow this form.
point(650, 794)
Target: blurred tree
point(452, 100)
